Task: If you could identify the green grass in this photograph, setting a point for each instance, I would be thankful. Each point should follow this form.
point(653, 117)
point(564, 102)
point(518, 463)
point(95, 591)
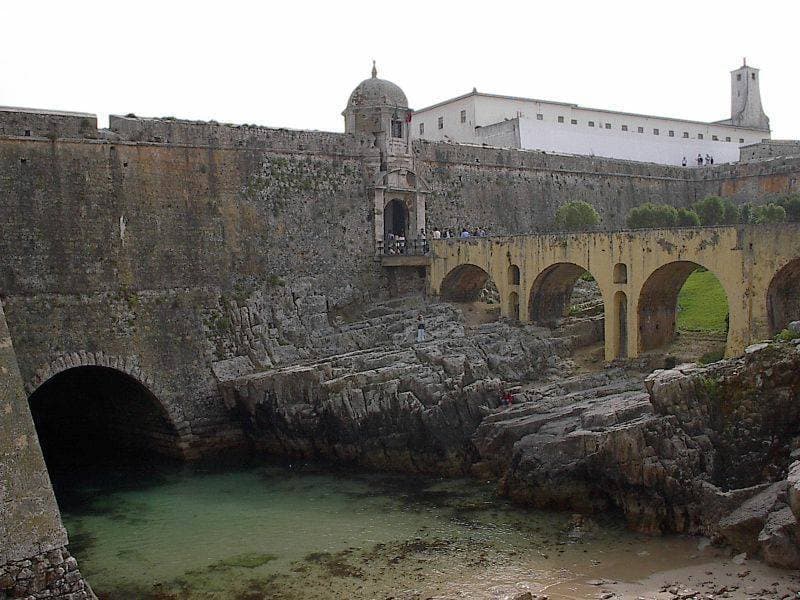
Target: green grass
point(702, 305)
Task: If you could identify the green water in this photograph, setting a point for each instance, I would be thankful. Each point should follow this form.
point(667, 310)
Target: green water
point(302, 532)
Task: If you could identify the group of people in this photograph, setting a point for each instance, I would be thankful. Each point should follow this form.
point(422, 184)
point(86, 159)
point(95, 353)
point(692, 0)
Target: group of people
point(465, 233)
point(708, 160)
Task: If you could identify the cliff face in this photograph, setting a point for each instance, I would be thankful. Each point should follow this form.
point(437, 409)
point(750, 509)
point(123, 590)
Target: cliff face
point(705, 450)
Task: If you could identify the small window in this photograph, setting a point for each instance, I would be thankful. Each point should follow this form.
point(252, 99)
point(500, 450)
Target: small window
point(591, 123)
point(397, 129)
point(741, 140)
point(753, 76)
point(728, 138)
point(440, 122)
point(738, 77)
point(624, 128)
point(640, 129)
point(686, 134)
point(463, 116)
point(699, 136)
point(539, 116)
point(655, 131)
point(422, 128)
point(573, 121)
point(27, 133)
point(560, 119)
point(23, 161)
point(671, 133)
point(714, 138)
point(608, 125)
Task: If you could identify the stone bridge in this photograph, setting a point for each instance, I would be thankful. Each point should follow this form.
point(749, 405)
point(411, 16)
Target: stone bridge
point(639, 273)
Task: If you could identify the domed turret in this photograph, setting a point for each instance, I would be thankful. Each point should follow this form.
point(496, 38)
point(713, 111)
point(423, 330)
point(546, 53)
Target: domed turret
point(376, 106)
point(374, 92)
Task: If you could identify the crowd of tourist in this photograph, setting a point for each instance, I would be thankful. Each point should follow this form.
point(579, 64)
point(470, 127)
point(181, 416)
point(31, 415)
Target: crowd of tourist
point(398, 244)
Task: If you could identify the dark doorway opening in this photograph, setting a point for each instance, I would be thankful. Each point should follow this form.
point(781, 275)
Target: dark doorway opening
point(395, 219)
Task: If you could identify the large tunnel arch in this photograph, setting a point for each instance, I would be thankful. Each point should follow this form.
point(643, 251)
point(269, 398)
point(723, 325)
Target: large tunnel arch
point(97, 416)
point(657, 306)
point(783, 297)
point(464, 283)
point(551, 292)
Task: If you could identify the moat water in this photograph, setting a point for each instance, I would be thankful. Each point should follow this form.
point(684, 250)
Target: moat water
point(302, 531)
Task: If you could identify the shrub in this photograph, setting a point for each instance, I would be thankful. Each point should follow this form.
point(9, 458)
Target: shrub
point(770, 213)
point(687, 218)
point(714, 210)
point(787, 335)
point(746, 214)
point(651, 215)
point(791, 204)
point(712, 356)
point(576, 216)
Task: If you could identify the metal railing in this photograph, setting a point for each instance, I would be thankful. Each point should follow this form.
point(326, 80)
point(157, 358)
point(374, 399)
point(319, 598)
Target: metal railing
point(389, 247)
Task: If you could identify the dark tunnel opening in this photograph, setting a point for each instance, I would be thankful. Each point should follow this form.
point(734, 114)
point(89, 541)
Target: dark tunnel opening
point(93, 420)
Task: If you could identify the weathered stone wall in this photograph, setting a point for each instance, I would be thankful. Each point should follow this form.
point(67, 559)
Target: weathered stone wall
point(50, 124)
point(139, 251)
point(769, 149)
point(512, 191)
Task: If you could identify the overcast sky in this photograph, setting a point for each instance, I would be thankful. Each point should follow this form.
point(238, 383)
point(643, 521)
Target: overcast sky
point(294, 63)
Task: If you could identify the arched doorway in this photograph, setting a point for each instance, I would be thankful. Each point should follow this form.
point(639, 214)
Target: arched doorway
point(783, 297)
point(97, 417)
point(683, 296)
point(395, 219)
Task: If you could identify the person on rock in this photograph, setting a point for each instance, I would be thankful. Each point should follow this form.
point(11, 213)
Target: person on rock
point(420, 329)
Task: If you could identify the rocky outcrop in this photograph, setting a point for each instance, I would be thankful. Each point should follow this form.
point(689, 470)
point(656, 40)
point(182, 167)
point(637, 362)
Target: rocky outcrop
point(398, 405)
point(53, 575)
point(704, 449)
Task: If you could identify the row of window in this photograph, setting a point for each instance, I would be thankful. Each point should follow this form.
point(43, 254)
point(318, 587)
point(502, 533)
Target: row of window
point(540, 117)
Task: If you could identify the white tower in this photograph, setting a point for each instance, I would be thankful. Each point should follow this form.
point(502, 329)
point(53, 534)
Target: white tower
point(746, 110)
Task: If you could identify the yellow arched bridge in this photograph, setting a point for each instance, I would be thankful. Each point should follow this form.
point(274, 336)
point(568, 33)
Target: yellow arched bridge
point(639, 273)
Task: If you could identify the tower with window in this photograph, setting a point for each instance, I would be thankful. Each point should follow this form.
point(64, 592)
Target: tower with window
point(746, 110)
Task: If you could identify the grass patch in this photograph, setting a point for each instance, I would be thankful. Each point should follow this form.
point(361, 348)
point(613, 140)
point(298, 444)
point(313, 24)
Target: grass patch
point(702, 305)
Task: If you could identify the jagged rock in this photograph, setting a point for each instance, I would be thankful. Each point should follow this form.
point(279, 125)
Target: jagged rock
point(741, 528)
point(793, 479)
point(778, 539)
point(396, 405)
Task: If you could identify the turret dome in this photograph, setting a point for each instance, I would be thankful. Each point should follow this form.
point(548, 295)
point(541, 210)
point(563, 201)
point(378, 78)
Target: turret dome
point(377, 92)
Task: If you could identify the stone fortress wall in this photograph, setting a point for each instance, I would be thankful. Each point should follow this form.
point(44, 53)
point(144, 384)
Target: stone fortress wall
point(178, 252)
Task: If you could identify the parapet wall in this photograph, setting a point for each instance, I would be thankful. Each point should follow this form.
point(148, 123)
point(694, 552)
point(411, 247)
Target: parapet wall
point(769, 149)
point(26, 122)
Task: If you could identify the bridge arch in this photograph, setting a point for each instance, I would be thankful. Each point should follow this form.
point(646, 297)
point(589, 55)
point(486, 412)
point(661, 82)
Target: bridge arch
point(783, 296)
point(657, 305)
point(463, 283)
point(550, 293)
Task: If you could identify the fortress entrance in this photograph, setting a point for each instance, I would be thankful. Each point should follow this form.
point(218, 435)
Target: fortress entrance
point(98, 417)
point(395, 219)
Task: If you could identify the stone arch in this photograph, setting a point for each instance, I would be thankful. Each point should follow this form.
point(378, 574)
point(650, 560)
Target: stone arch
point(513, 275)
point(551, 291)
point(463, 283)
point(783, 296)
point(89, 414)
point(658, 301)
point(513, 306)
point(620, 273)
point(127, 365)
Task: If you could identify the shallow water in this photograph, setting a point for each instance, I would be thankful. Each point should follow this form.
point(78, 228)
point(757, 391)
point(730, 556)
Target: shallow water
point(302, 532)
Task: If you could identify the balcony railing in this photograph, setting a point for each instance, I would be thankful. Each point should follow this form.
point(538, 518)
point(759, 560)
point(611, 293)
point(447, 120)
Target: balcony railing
point(388, 247)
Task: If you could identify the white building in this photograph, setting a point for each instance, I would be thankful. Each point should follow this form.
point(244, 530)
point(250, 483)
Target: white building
point(529, 124)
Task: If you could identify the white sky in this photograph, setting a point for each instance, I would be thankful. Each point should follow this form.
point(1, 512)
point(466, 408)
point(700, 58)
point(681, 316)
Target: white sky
point(293, 63)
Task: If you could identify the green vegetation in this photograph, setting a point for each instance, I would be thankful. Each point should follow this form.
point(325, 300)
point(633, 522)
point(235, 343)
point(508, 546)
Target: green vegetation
point(712, 356)
point(714, 210)
point(791, 204)
point(250, 560)
point(651, 215)
point(687, 218)
point(702, 304)
point(576, 216)
point(787, 336)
